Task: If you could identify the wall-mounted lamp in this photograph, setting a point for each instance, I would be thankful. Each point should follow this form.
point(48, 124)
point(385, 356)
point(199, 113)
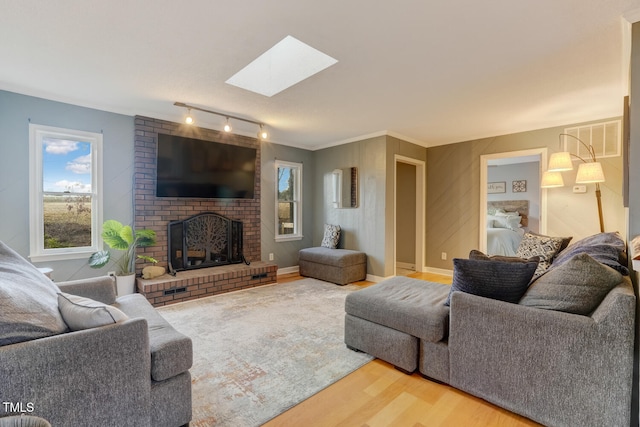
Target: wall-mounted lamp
point(262, 133)
point(589, 171)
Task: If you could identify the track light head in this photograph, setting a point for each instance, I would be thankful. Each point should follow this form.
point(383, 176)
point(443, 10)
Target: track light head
point(262, 133)
point(227, 126)
point(189, 119)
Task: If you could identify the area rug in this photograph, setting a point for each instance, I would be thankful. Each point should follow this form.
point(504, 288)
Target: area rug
point(261, 351)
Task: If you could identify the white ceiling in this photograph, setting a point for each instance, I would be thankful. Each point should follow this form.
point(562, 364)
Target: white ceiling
point(432, 72)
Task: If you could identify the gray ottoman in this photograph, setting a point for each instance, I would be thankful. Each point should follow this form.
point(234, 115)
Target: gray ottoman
point(339, 266)
point(391, 319)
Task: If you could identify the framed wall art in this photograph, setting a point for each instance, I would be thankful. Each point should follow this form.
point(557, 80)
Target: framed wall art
point(496, 187)
point(519, 186)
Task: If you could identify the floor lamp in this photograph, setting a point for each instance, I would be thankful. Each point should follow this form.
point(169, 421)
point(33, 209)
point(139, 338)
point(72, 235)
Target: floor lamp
point(589, 171)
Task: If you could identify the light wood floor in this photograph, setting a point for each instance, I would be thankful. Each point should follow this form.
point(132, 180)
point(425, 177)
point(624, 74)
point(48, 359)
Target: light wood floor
point(379, 395)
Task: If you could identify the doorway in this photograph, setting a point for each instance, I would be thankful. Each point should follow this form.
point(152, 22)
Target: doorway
point(409, 215)
point(489, 161)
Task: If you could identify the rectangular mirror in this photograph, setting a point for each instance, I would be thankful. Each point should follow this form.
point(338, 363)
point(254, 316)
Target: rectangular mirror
point(345, 187)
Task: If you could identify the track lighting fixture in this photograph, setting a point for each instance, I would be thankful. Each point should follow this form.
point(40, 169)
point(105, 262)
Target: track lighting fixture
point(262, 132)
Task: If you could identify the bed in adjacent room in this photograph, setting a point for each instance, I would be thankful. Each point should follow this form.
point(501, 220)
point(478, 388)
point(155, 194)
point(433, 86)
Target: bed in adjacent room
point(506, 223)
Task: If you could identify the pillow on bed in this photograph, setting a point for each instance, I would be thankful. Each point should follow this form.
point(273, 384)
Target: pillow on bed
point(511, 222)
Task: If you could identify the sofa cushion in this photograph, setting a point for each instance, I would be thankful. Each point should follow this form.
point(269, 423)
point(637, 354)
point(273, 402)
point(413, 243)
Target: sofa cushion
point(496, 279)
point(84, 313)
point(171, 351)
point(606, 248)
point(331, 236)
point(576, 286)
point(28, 301)
point(412, 306)
point(545, 247)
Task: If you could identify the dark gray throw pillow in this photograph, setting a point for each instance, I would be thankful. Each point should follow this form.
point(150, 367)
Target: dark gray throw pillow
point(607, 248)
point(475, 254)
point(576, 286)
point(501, 280)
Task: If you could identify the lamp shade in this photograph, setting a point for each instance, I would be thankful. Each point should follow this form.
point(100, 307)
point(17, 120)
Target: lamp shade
point(559, 162)
point(551, 180)
point(589, 172)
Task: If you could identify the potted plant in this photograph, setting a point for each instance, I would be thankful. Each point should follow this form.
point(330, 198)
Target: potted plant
point(123, 238)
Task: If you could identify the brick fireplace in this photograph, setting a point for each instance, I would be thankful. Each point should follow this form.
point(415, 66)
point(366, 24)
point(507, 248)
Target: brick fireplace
point(157, 212)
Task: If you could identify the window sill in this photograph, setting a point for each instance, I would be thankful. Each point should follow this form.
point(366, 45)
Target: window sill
point(61, 256)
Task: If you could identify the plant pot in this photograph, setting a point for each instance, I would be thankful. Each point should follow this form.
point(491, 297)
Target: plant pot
point(126, 285)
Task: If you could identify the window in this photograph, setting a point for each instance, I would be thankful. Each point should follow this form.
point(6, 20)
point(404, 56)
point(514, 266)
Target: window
point(65, 180)
point(288, 200)
point(605, 138)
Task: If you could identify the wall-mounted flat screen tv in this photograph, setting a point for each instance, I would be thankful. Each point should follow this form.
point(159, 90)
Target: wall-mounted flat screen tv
point(188, 167)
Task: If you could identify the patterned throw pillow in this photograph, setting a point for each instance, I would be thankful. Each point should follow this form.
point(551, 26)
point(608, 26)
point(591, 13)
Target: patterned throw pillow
point(331, 236)
point(545, 247)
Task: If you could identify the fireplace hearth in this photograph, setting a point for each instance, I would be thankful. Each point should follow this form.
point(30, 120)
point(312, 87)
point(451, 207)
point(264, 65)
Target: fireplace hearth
point(204, 240)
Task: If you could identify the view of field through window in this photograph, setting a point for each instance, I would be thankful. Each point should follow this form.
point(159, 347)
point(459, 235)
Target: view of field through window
point(66, 184)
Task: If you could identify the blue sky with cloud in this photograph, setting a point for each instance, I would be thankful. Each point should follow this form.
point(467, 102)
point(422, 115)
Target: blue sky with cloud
point(66, 166)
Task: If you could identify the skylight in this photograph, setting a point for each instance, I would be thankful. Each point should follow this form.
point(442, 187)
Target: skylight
point(288, 62)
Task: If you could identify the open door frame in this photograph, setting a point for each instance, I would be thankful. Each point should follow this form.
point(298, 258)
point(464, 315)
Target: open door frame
point(484, 164)
point(420, 209)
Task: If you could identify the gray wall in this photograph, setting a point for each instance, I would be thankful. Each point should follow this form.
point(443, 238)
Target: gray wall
point(16, 113)
point(634, 194)
point(453, 195)
point(406, 213)
point(362, 227)
point(285, 254)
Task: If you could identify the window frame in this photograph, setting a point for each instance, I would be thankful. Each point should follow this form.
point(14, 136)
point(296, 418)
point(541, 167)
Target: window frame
point(297, 200)
point(37, 134)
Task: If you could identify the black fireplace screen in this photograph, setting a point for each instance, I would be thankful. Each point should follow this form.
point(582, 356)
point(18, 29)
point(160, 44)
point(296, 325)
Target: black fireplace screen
point(204, 240)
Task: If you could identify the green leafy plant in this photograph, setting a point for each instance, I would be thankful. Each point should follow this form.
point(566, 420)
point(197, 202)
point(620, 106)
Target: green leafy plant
point(123, 238)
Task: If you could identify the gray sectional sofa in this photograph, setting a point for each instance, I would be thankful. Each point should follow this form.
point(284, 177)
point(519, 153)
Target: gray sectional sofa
point(561, 354)
point(75, 355)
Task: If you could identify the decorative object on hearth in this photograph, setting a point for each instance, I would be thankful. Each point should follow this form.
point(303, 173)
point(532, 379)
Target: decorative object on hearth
point(123, 238)
point(589, 171)
point(262, 132)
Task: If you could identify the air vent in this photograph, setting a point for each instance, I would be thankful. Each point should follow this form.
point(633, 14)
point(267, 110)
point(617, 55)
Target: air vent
point(175, 291)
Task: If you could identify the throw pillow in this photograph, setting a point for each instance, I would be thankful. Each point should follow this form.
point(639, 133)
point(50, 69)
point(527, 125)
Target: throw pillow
point(545, 247)
point(607, 248)
point(501, 280)
point(577, 286)
point(83, 313)
point(331, 236)
point(28, 301)
point(475, 254)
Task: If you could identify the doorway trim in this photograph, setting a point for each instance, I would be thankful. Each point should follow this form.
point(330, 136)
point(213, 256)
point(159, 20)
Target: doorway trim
point(484, 165)
point(420, 209)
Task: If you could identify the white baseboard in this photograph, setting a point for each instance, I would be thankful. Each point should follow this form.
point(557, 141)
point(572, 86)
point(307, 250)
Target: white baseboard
point(376, 279)
point(405, 265)
point(442, 271)
point(288, 270)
